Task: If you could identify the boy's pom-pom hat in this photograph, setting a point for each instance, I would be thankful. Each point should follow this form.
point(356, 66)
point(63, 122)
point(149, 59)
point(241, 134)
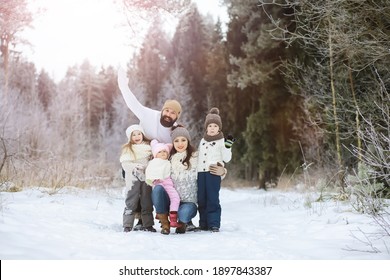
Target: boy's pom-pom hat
point(133, 128)
point(157, 146)
point(213, 117)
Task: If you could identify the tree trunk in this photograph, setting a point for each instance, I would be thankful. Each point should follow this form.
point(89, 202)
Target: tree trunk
point(5, 53)
point(359, 140)
point(334, 105)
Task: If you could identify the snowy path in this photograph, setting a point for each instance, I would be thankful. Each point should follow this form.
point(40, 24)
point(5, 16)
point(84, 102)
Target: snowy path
point(86, 225)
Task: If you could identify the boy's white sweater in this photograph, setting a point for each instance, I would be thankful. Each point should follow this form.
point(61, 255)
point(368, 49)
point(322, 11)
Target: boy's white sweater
point(211, 153)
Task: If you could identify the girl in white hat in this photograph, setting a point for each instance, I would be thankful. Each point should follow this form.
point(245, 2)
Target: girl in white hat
point(134, 158)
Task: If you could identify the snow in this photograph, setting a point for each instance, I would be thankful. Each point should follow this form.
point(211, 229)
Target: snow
point(86, 224)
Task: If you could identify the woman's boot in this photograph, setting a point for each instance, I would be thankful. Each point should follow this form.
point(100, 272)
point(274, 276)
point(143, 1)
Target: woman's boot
point(181, 228)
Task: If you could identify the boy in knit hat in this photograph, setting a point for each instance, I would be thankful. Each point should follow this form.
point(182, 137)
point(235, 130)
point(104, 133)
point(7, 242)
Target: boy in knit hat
point(156, 124)
point(158, 172)
point(213, 150)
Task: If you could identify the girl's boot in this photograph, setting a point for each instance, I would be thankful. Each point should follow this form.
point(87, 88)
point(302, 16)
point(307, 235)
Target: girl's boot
point(173, 218)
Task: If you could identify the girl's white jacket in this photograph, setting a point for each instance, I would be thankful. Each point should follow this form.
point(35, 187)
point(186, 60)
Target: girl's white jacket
point(129, 161)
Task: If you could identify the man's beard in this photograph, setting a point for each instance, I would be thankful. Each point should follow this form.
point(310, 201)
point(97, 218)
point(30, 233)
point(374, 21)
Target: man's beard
point(166, 121)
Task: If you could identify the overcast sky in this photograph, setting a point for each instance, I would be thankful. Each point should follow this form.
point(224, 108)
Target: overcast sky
point(96, 30)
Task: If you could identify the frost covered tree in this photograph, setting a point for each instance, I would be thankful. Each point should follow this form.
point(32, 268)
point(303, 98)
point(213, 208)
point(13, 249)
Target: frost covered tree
point(147, 9)
point(109, 85)
point(141, 13)
point(46, 87)
point(68, 119)
point(14, 18)
point(90, 87)
point(25, 138)
point(350, 78)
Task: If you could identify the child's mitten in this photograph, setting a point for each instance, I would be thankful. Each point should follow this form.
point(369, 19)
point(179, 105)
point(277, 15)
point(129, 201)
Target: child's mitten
point(229, 140)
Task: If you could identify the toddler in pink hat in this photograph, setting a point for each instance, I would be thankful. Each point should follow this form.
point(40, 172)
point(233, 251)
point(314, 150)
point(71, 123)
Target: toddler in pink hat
point(158, 172)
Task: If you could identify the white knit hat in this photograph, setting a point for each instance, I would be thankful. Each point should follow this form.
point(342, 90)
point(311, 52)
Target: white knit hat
point(133, 128)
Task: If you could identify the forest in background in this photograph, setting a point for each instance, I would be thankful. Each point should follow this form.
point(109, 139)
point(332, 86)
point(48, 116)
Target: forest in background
point(302, 85)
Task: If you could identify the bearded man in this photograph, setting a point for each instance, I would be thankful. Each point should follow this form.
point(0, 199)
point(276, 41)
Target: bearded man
point(156, 124)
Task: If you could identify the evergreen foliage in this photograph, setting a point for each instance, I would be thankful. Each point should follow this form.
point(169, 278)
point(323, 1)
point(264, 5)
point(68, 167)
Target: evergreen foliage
point(46, 88)
point(189, 52)
point(271, 142)
point(346, 46)
point(152, 63)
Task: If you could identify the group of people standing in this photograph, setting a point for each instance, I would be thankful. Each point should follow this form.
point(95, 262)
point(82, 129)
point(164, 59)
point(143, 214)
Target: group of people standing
point(163, 170)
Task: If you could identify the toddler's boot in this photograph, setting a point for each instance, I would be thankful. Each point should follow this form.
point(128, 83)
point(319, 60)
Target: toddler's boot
point(173, 218)
point(165, 227)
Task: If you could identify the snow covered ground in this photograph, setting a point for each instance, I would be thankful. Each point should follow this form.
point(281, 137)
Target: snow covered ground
point(76, 224)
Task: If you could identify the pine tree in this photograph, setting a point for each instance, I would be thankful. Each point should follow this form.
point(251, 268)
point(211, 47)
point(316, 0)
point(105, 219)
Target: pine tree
point(109, 90)
point(257, 70)
point(189, 52)
point(46, 88)
point(217, 69)
point(90, 88)
point(152, 63)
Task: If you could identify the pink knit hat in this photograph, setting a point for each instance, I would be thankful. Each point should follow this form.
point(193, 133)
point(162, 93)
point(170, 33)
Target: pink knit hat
point(157, 146)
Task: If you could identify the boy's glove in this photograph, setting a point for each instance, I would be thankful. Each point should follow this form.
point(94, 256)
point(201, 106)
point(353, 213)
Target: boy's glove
point(217, 169)
point(229, 140)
